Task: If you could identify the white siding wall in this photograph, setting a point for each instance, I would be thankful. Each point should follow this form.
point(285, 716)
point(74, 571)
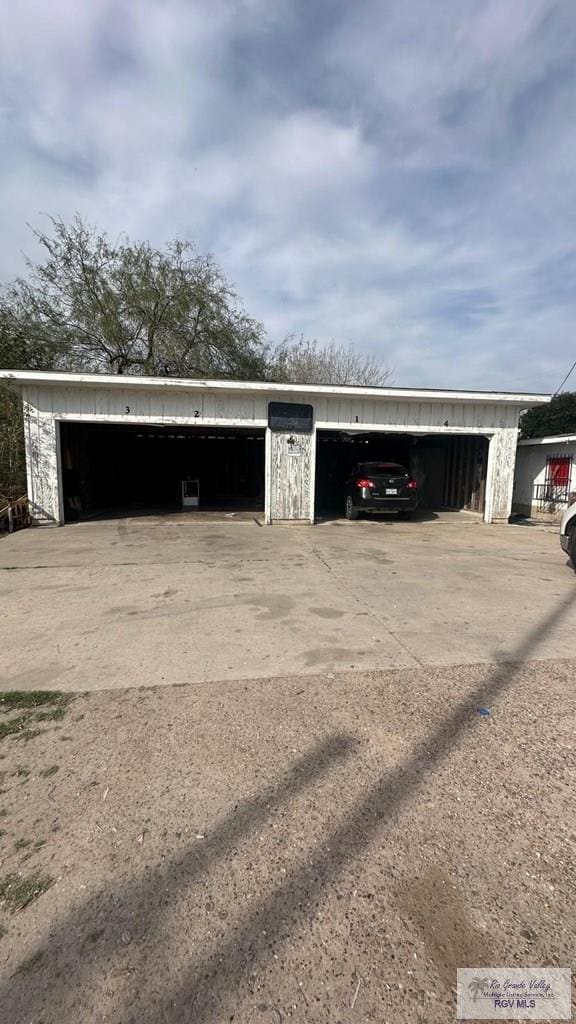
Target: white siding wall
point(135, 405)
point(500, 475)
point(291, 476)
point(155, 405)
point(530, 470)
point(42, 439)
point(46, 404)
point(413, 417)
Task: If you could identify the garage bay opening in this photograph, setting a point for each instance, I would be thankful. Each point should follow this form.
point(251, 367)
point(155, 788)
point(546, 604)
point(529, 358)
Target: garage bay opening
point(450, 470)
point(115, 470)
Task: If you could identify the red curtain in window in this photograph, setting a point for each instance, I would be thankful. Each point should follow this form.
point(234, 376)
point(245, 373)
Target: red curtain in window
point(558, 470)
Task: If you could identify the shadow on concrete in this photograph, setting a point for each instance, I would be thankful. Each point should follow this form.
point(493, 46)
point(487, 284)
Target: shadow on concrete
point(385, 518)
point(223, 512)
point(201, 995)
point(420, 516)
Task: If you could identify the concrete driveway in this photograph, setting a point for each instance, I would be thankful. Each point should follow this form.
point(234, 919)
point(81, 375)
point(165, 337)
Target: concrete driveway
point(317, 843)
point(140, 602)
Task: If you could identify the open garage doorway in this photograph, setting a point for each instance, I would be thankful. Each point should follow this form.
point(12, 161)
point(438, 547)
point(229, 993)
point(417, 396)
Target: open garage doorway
point(450, 470)
point(114, 470)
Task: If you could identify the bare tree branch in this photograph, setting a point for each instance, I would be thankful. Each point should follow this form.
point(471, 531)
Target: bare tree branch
point(300, 361)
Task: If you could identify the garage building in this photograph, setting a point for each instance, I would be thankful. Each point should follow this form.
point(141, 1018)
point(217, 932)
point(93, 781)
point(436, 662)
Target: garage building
point(99, 444)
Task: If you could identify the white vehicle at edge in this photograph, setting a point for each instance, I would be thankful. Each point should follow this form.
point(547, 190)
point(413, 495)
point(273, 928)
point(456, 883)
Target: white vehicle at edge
point(568, 532)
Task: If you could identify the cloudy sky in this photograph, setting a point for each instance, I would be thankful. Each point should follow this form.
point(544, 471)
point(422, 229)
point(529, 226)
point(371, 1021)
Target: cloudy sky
point(399, 174)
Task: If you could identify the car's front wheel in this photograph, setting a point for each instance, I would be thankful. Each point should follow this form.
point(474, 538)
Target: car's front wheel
point(351, 511)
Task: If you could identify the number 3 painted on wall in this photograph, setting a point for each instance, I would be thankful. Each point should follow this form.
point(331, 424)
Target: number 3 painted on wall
point(126, 408)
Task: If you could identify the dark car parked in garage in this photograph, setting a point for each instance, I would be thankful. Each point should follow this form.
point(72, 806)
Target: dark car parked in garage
point(380, 487)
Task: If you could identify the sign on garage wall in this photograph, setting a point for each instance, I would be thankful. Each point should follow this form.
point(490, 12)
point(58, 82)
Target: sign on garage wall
point(288, 416)
point(295, 449)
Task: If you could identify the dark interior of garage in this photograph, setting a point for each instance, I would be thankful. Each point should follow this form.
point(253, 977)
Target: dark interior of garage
point(450, 470)
point(111, 470)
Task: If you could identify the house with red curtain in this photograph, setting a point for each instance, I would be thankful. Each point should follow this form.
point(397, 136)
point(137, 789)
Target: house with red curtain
point(545, 477)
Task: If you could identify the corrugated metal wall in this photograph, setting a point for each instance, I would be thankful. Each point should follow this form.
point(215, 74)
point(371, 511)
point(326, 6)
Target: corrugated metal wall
point(465, 479)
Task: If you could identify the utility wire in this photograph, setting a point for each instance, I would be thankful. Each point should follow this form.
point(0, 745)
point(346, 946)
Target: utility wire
point(573, 367)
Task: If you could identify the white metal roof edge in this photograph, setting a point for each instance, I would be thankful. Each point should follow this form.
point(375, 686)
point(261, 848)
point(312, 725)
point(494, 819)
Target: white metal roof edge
point(551, 439)
point(49, 377)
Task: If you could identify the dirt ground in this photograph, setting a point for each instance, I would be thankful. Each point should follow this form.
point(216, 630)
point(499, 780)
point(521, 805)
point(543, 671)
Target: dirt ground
point(311, 848)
